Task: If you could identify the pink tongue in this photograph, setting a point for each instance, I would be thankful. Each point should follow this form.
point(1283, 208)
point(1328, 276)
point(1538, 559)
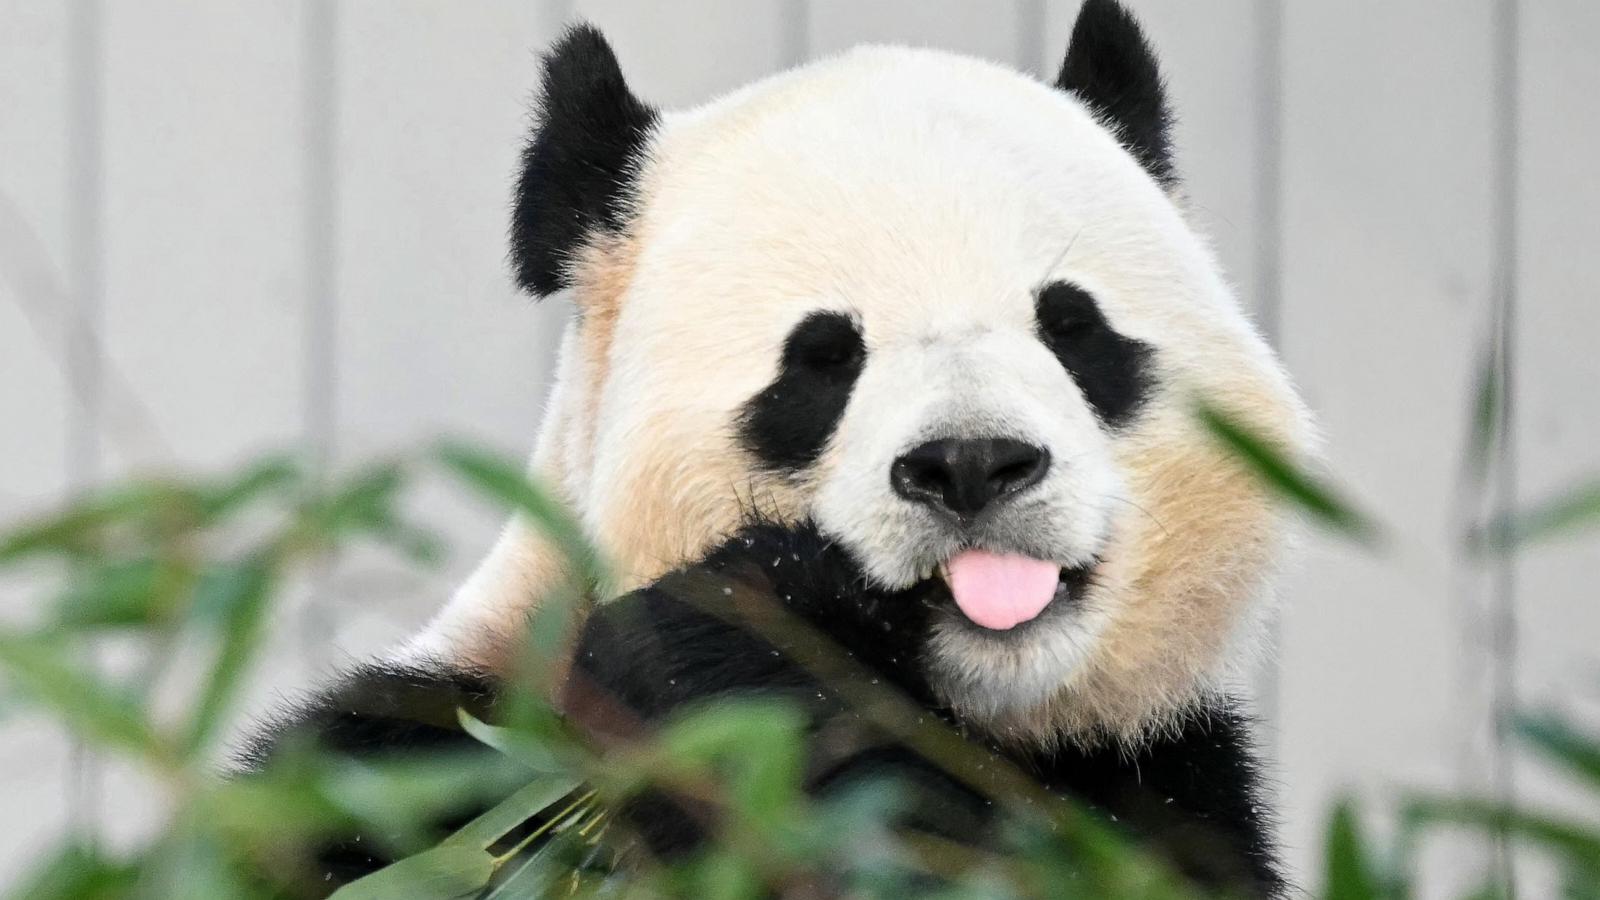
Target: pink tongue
point(1001, 591)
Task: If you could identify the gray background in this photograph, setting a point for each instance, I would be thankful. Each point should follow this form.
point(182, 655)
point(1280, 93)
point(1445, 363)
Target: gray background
point(229, 227)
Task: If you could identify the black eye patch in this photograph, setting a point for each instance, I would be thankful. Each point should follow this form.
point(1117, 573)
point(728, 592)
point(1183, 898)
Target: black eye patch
point(787, 424)
point(1112, 370)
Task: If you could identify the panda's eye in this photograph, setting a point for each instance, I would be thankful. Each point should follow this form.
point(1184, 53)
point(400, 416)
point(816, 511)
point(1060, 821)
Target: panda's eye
point(788, 423)
point(827, 343)
point(1066, 311)
point(1111, 369)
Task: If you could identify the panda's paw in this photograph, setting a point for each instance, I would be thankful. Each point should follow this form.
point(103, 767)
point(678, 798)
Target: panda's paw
point(816, 580)
point(765, 612)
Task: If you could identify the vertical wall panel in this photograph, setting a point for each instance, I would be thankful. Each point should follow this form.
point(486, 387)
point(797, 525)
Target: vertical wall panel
point(1386, 280)
point(35, 135)
point(1208, 55)
point(1558, 375)
point(432, 336)
point(203, 311)
point(202, 318)
point(35, 301)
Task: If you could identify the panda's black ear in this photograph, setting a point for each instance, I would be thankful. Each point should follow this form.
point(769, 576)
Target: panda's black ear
point(1111, 67)
point(579, 167)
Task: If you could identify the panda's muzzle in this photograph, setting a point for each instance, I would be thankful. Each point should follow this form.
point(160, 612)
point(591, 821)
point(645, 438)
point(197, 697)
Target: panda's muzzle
point(961, 478)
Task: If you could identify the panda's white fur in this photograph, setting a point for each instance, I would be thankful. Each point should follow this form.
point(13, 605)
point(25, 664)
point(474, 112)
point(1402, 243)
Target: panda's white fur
point(927, 195)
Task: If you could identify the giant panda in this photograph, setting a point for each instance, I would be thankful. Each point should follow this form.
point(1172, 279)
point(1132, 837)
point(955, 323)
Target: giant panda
point(910, 344)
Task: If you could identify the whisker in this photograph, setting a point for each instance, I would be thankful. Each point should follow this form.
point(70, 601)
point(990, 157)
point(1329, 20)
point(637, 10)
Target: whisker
point(1147, 513)
point(1060, 258)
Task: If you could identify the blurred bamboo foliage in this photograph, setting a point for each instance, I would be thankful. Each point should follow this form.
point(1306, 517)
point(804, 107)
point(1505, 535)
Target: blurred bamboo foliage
point(186, 571)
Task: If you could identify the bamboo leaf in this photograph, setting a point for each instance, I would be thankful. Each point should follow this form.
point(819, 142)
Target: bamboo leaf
point(531, 876)
point(1287, 479)
point(1580, 884)
point(1561, 742)
point(235, 599)
point(1348, 869)
point(77, 873)
point(446, 872)
point(537, 797)
point(1569, 512)
point(190, 863)
point(505, 483)
point(723, 875)
point(1577, 843)
point(514, 743)
point(120, 593)
point(280, 806)
point(461, 865)
point(756, 742)
point(43, 670)
point(1486, 415)
point(272, 475)
point(366, 505)
point(404, 799)
point(80, 528)
point(364, 501)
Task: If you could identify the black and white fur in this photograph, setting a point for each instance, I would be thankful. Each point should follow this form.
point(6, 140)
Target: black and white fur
point(1191, 793)
point(782, 297)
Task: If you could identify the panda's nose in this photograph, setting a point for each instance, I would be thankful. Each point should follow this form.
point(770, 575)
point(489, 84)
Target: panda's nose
point(965, 476)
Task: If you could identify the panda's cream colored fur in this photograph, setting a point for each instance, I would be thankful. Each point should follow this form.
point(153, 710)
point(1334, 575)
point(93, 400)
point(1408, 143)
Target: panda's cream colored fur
point(927, 195)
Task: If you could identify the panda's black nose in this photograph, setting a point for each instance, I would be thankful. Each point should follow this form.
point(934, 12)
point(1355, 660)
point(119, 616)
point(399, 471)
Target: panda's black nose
point(965, 476)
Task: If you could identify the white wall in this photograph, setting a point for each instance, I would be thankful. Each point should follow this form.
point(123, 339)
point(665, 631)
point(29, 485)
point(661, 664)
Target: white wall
point(228, 227)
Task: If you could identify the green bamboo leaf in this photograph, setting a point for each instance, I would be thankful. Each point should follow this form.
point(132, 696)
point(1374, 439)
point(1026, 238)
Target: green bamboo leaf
point(531, 876)
point(1486, 415)
point(537, 797)
point(757, 743)
point(461, 865)
point(273, 475)
point(43, 669)
point(363, 501)
point(1571, 511)
point(550, 626)
point(723, 875)
point(80, 528)
point(119, 593)
point(547, 634)
point(1580, 884)
point(519, 745)
point(404, 799)
point(278, 807)
point(1560, 741)
point(1577, 843)
point(191, 863)
point(234, 599)
point(77, 873)
point(1348, 868)
point(504, 482)
point(864, 809)
point(1291, 482)
point(446, 872)
point(366, 505)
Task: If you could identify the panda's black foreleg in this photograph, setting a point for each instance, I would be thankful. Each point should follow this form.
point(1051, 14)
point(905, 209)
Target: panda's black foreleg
point(769, 614)
point(1192, 792)
point(381, 713)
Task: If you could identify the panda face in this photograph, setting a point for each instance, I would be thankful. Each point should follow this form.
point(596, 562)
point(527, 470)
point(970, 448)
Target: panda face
point(953, 315)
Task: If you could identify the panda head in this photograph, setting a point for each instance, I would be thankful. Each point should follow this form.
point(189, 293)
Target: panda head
point(954, 316)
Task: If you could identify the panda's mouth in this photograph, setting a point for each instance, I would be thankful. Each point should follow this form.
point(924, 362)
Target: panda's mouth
point(1001, 591)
